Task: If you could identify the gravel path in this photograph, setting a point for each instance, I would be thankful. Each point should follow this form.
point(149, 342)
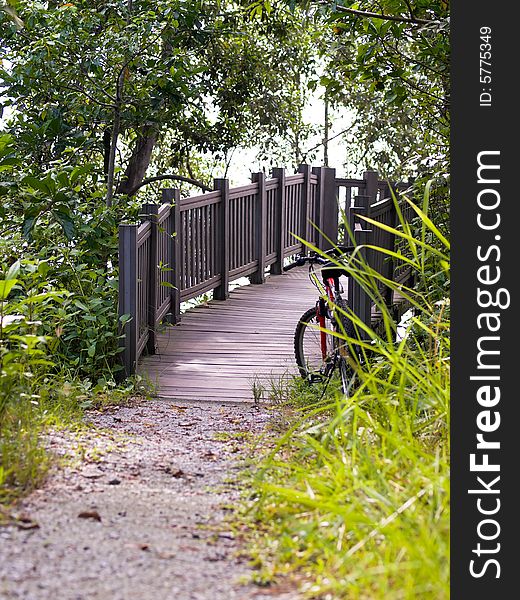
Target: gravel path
point(139, 510)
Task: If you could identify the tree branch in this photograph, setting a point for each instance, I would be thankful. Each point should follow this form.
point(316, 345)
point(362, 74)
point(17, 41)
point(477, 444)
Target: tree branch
point(189, 180)
point(304, 155)
point(410, 9)
point(372, 15)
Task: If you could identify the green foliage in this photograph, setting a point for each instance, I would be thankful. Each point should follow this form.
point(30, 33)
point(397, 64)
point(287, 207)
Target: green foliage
point(48, 373)
point(392, 72)
point(354, 500)
point(67, 240)
point(93, 81)
point(58, 311)
point(24, 364)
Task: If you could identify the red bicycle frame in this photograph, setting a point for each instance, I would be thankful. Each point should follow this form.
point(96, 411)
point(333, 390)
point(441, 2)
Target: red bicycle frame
point(320, 314)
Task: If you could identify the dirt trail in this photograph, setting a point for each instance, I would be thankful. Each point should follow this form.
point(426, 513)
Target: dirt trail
point(142, 514)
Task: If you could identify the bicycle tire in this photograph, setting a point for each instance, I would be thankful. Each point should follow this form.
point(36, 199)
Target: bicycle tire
point(348, 327)
point(307, 347)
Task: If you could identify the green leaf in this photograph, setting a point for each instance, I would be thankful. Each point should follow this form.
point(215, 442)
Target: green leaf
point(13, 271)
point(39, 298)
point(28, 226)
point(35, 184)
point(6, 286)
point(78, 171)
point(66, 223)
point(81, 305)
point(43, 268)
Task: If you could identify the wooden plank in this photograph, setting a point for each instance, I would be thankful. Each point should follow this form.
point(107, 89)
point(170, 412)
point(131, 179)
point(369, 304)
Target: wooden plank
point(152, 292)
point(220, 348)
point(128, 294)
point(243, 191)
point(202, 200)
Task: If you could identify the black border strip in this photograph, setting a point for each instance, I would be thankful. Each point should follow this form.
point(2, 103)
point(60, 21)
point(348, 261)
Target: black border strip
point(485, 118)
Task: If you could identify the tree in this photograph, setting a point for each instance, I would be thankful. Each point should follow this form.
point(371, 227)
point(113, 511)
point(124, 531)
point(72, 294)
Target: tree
point(388, 61)
point(107, 83)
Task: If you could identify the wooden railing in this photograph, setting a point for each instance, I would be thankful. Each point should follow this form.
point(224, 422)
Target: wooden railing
point(186, 247)
point(375, 199)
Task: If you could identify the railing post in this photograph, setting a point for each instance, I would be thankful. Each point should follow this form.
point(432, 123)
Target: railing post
point(128, 295)
point(150, 213)
point(364, 309)
point(388, 292)
point(260, 226)
point(277, 267)
point(306, 196)
point(329, 216)
point(371, 184)
point(348, 202)
point(361, 207)
point(222, 291)
point(318, 206)
point(172, 196)
point(326, 208)
point(358, 300)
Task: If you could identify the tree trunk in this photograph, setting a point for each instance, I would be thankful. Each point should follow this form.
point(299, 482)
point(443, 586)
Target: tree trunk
point(326, 133)
point(107, 138)
point(139, 161)
point(112, 156)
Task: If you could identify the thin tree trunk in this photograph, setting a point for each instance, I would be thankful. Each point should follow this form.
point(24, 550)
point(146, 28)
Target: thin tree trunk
point(326, 133)
point(112, 156)
point(116, 128)
point(107, 139)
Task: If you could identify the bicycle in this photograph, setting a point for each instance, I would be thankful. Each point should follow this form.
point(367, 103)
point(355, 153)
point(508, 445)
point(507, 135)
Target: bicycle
point(317, 352)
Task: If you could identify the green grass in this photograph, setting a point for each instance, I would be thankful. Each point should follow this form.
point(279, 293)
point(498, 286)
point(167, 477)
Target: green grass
point(354, 500)
point(58, 404)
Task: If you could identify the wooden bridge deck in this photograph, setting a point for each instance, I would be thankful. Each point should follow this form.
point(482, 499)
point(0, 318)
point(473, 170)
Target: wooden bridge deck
point(220, 348)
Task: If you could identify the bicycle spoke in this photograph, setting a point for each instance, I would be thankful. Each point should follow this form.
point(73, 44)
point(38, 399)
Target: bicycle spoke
point(308, 349)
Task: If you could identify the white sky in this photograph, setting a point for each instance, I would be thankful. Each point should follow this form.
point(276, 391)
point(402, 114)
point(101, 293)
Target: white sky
point(244, 161)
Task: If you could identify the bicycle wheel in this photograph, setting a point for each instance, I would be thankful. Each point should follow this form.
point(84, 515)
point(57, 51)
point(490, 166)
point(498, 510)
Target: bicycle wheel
point(344, 326)
point(312, 365)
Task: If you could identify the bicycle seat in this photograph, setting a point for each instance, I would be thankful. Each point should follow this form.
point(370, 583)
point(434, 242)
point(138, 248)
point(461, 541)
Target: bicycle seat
point(331, 269)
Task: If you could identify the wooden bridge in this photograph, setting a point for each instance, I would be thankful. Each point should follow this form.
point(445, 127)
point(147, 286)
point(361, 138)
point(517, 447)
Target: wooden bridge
point(187, 247)
point(240, 349)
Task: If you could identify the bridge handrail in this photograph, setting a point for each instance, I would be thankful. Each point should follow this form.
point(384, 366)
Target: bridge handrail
point(185, 247)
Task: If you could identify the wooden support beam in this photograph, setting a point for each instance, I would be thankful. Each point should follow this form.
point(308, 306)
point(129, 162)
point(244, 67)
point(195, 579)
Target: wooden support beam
point(128, 295)
point(260, 227)
point(222, 291)
point(306, 199)
point(173, 196)
point(371, 179)
point(150, 213)
point(280, 225)
point(329, 217)
point(326, 208)
point(318, 206)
